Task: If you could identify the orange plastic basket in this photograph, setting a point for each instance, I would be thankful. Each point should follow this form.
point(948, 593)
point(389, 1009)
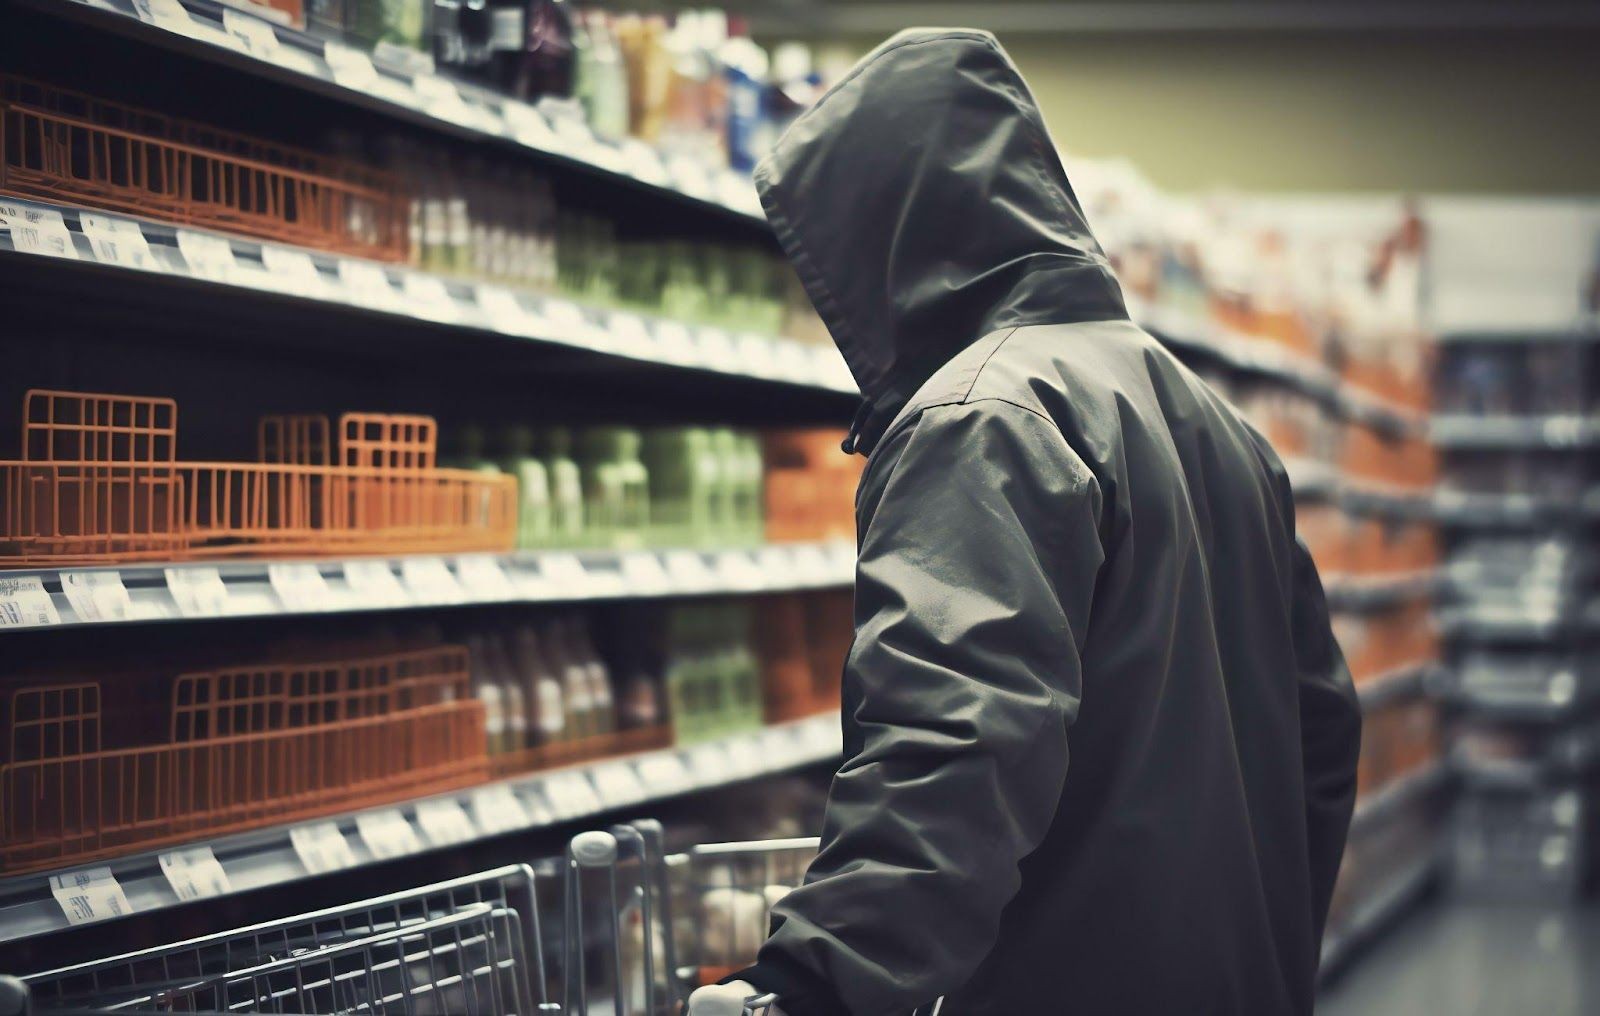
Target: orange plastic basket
point(65, 146)
point(249, 747)
point(99, 484)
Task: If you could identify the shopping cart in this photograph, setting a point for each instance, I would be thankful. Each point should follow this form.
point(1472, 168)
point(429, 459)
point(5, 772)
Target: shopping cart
point(463, 947)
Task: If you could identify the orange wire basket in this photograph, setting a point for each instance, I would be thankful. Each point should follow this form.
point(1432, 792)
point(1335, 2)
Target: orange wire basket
point(248, 747)
point(99, 483)
point(66, 146)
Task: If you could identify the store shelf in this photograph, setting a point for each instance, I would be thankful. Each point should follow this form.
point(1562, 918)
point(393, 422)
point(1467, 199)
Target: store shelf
point(1381, 908)
point(270, 858)
point(146, 593)
point(1518, 623)
point(1466, 510)
point(1399, 794)
point(1376, 592)
point(157, 255)
point(1580, 334)
point(1511, 433)
point(1399, 683)
point(1560, 694)
point(219, 33)
point(1566, 755)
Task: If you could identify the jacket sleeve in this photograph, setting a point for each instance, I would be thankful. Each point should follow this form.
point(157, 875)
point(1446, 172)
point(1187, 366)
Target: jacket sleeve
point(979, 552)
point(1330, 725)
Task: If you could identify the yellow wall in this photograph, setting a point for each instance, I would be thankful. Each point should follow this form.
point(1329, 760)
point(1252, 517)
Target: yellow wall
point(1508, 113)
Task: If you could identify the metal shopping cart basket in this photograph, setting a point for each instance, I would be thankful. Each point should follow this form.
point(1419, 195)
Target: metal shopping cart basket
point(457, 948)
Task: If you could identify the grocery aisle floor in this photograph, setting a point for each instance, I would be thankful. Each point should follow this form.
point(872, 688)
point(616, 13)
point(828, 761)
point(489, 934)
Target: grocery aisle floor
point(1457, 959)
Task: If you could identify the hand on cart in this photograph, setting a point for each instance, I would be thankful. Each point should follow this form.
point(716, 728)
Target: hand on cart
point(733, 999)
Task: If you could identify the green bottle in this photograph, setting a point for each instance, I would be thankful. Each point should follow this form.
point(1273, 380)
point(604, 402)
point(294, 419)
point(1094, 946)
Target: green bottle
point(534, 521)
point(566, 489)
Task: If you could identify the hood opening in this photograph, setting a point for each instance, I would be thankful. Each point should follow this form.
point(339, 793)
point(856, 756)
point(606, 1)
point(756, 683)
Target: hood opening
point(923, 206)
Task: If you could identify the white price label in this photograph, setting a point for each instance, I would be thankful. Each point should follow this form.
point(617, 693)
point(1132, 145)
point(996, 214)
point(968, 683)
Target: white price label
point(743, 758)
point(117, 241)
point(643, 573)
point(528, 126)
point(688, 570)
point(565, 573)
point(737, 192)
point(322, 847)
point(368, 285)
point(575, 136)
point(168, 14)
point(617, 784)
point(429, 297)
point(708, 764)
point(351, 67)
point(841, 556)
point(737, 571)
point(676, 342)
point(194, 873)
point(387, 834)
point(443, 822)
point(821, 738)
point(717, 349)
point(664, 773)
point(794, 361)
point(503, 310)
point(580, 792)
point(539, 811)
point(440, 97)
point(96, 595)
point(38, 231)
point(496, 809)
point(829, 368)
point(690, 177)
point(642, 162)
point(300, 586)
point(91, 894)
point(776, 565)
point(483, 578)
point(777, 747)
point(292, 270)
point(250, 34)
point(811, 565)
point(564, 315)
point(24, 603)
point(208, 257)
point(373, 584)
point(755, 352)
point(629, 334)
point(198, 592)
point(430, 581)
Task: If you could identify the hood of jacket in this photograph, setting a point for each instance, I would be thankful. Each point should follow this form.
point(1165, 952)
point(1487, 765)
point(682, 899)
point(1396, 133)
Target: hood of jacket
point(923, 206)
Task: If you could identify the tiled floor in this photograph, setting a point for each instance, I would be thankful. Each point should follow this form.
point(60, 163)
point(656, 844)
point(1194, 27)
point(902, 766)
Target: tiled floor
point(1456, 959)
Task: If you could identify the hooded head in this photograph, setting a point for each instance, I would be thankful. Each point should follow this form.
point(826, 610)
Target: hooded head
point(924, 206)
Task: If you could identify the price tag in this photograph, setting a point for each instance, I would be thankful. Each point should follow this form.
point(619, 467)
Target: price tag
point(350, 67)
point(676, 342)
point(736, 569)
point(198, 592)
point(117, 241)
point(505, 314)
point(581, 793)
point(293, 270)
point(300, 586)
point(708, 764)
point(374, 584)
point(743, 758)
point(565, 573)
point(429, 297)
point(643, 573)
point(811, 565)
point(496, 809)
point(664, 773)
point(439, 97)
point(563, 314)
point(24, 603)
point(91, 894)
point(430, 581)
point(794, 361)
point(208, 257)
point(690, 177)
point(96, 595)
point(821, 738)
point(617, 784)
point(539, 811)
point(528, 126)
point(755, 352)
point(717, 350)
point(168, 14)
point(249, 34)
point(829, 368)
point(443, 822)
point(776, 566)
point(484, 579)
point(38, 231)
point(194, 873)
point(368, 285)
point(642, 162)
point(629, 334)
point(736, 192)
point(322, 847)
point(688, 570)
point(387, 834)
point(575, 136)
point(777, 748)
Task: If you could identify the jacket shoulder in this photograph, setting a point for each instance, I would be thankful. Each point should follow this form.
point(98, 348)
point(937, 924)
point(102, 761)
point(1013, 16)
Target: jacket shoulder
point(966, 377)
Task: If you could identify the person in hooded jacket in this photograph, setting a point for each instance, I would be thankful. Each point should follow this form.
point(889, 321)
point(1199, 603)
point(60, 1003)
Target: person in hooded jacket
point(1100, 743)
